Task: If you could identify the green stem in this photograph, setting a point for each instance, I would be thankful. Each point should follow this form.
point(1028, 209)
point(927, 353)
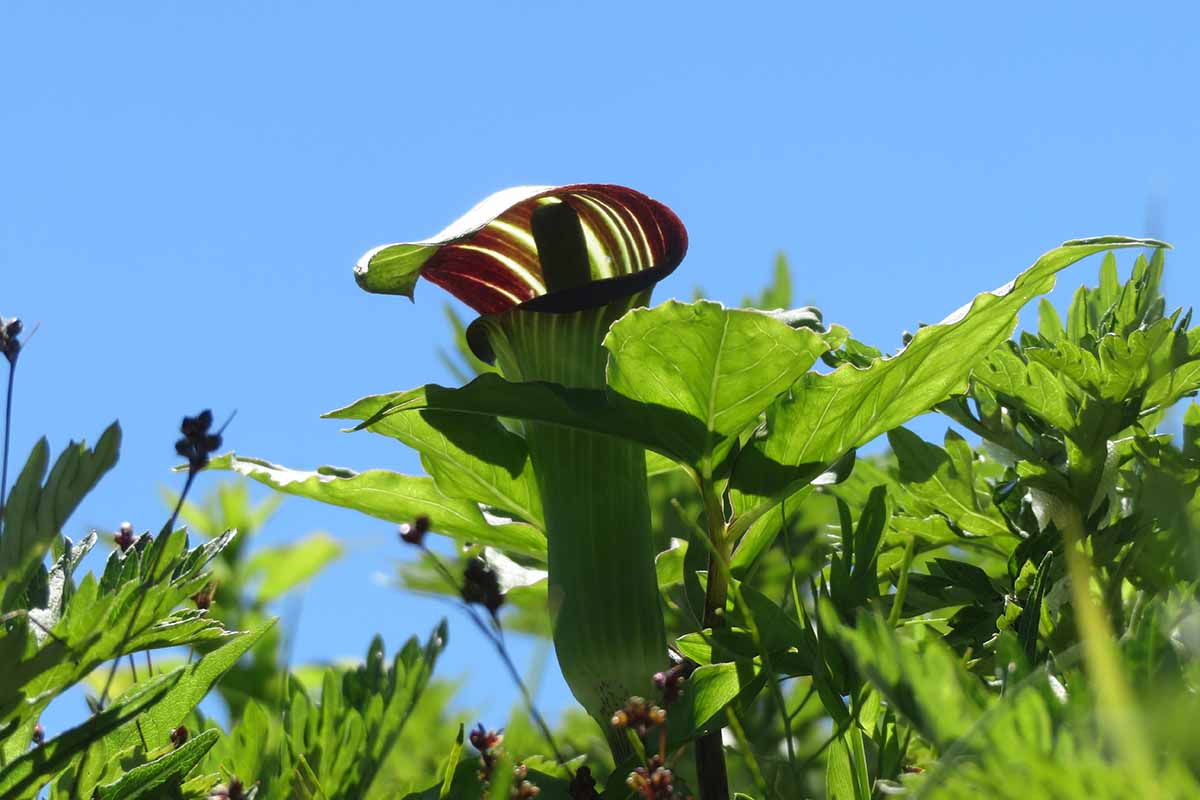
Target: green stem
point(602, 587)
point(1115, 699)
point(902, 583)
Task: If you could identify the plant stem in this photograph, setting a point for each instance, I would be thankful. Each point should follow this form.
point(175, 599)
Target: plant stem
point(902, 583)
point(149, 576)
point(711, 771)
point(496, 637)
point(12, 372)
point(1116, 705)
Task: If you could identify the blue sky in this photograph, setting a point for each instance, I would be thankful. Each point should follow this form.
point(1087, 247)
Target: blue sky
point(185, 187)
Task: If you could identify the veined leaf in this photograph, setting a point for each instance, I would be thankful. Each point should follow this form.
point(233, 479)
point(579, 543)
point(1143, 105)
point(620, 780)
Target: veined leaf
point(719, 368)
point(536, 401)
point(24, 776)
point(943, 482)
point(392, 497)
point(472, 457)
point(189, 685)
point(1033, 386)
point(170, 769)
point(828, 415)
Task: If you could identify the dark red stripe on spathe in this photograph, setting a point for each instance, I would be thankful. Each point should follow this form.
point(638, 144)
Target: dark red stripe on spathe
point(480, 280)
point(477, 279)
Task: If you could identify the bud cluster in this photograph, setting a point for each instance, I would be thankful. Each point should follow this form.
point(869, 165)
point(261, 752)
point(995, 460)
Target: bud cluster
point(179, 736)
point(124, 537)
point(481, 585)
point(639, 716)
point(205, 597)
point(653, 781)
point(414, 533)
point(197, 443)
point(583, 785)
point(490, 745)
point(670, 682)
point(10, 345)
point(234, 790)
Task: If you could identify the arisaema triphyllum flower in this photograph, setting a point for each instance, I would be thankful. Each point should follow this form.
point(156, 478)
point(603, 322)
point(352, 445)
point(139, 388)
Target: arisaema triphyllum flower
point(549, 269)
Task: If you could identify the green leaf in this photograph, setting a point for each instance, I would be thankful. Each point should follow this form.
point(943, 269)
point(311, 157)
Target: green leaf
point(536, 401)
point(171, 769)
point(451, 764)
point(943, 482)
point(287, 566)
point(472, 457)
point(36, 511)
point(392, 497)
point(702, 373)
point(189, 685)
point(928, 687)
point(1032, 386)
point(827, 415)
point(705, 695)
point(24, 776)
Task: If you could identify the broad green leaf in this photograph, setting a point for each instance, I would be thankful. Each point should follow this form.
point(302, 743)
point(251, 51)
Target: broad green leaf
point(824, 416)
point(189, 685)
point(171, 769)
point(719, 368)
point(392, 497)
point(535, 401)
point(472, 457)
point(943, 482)
point(1031, 385)
point(287, 566)
point(705, 695)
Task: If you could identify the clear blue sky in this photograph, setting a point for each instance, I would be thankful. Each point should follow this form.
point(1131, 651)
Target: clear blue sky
point(184, 188)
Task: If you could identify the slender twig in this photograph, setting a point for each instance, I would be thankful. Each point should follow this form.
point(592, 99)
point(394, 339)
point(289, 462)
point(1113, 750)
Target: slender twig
point(495, 634)
point(12, 372)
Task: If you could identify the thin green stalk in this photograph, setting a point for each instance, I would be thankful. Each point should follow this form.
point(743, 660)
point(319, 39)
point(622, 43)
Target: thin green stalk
point(902, 583)
point(747, 754)
point(1115, 699)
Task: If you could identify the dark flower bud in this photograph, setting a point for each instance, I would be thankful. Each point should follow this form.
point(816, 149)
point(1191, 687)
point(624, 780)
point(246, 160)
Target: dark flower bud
point(415, 533)
point(10, 345)
point(204, 598)
point(583, 785)
point(124, 536)
point(197, 443)
point(179, 736)
point(480, 585)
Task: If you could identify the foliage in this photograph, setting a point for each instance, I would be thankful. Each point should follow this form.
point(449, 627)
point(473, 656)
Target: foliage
point(931, 619)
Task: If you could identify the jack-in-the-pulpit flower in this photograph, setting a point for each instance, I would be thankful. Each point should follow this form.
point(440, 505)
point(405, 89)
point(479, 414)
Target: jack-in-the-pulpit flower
point(549, 269)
